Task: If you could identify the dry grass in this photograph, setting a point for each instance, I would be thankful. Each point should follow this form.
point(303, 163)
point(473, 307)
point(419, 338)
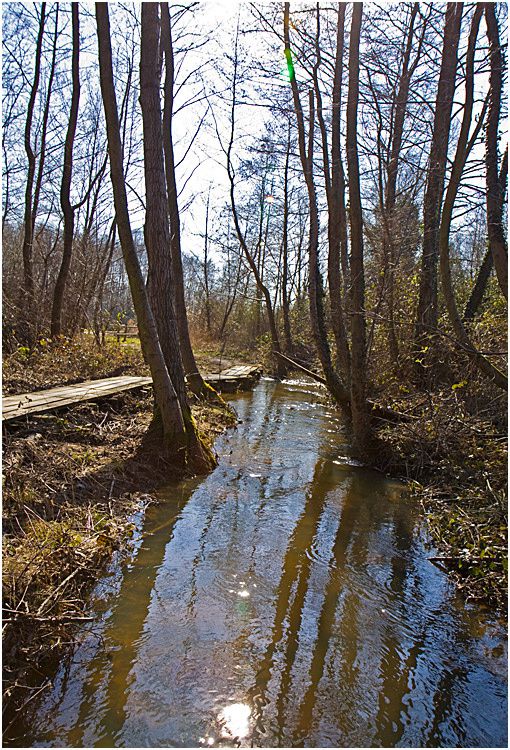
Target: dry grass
point(68, 361)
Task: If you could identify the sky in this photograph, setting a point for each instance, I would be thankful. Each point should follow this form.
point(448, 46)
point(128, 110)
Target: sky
point(204, 166)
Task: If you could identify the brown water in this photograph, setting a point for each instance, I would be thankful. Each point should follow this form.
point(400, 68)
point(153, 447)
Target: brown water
point(285, 600)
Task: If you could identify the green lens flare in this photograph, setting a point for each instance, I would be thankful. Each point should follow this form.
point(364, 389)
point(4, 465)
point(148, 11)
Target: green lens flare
point(290, 65)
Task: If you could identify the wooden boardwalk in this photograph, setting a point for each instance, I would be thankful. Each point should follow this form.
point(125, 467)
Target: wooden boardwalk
point(236, 378)
point(240, 377)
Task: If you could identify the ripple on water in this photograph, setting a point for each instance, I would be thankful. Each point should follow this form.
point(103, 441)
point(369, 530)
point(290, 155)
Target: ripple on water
point(284, 600)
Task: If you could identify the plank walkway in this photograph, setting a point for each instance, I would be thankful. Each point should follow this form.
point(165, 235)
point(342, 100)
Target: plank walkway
point(236, 378)
point(240, 377)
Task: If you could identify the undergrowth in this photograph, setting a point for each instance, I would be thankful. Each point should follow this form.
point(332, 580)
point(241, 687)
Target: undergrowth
point(454, 452)
point(68, 361)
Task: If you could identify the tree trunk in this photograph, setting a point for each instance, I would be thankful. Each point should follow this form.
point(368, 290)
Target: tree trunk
point(494, 202)
point(279, 366)
point(44, 128)
point(359, 405)
point(174, 432)
point(338, 187)
point(335, 384)
point(193, 376)
point(389, 218)
point(480, 287)
point(65, 189)
point(156, 233)
point(206, 269)
point(427, 312)
point(335, 193)
point(482, 279)
point(26, 311)
point(461, 154)
point(287, 333)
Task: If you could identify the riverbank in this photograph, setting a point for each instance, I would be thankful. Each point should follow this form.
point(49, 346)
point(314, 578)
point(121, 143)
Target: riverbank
point(455, 460)
point(274, 602)
point(72, 481)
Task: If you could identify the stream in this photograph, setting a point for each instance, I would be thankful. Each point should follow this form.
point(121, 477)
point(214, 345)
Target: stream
point(286, 600)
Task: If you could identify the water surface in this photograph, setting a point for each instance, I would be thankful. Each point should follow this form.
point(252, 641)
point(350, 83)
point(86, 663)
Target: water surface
point(285, 600)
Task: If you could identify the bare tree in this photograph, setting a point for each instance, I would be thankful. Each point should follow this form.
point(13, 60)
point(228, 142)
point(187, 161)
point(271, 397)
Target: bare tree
point(278, 365)
point(335, 193)
point(193, 376)
point(68, 210)
point(285, 252)
point(427, 311)
point(335, 384)
point(359, 405)
point(156, 230)
point(27, 300)
point(388, 201)
point(207, 286)
point(494, 201)
point(464, 146)
point(175, 439)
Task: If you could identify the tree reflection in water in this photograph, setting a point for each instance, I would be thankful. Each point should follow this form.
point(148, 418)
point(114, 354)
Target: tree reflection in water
point(285, 600)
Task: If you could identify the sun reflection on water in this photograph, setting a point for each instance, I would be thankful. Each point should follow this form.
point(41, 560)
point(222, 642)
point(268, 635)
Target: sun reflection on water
point(235, 720)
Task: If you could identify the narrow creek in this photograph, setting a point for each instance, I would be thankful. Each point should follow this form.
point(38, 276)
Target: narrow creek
point(285, 600)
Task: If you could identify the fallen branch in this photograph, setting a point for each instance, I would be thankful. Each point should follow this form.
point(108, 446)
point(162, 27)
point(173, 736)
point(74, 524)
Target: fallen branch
point(50, 618)
point(380, 413)
point(297, 366)
point(37, 692)
point(60, 586)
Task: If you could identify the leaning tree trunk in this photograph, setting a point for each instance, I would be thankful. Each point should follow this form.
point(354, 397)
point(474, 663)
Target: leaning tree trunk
point(335, 384)
point(427, 312)
point(193, 376)
point(174, 432)
point(462, 152)
point(482, 278)
point(65, 188)
point(479, 287)
point(157, 241)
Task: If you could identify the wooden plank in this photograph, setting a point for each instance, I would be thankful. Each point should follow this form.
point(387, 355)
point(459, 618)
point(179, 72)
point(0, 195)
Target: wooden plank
point(54, 398)
point(238, 377)
point(233, 378)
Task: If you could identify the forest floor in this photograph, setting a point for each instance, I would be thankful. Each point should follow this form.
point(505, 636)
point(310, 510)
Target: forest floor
point(73, 479)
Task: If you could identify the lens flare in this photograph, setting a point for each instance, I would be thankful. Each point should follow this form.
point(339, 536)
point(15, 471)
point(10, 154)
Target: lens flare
point(290, 65)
